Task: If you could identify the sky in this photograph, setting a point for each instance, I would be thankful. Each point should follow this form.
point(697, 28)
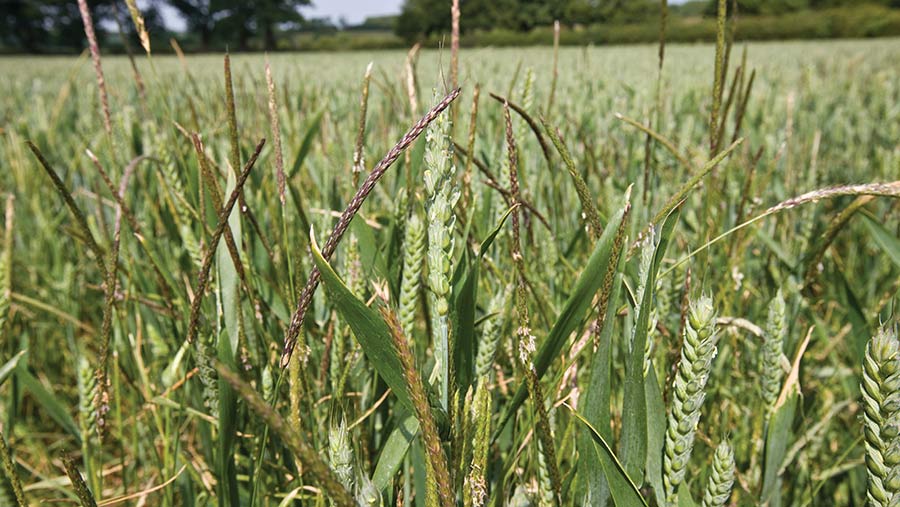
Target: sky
point(354, 11)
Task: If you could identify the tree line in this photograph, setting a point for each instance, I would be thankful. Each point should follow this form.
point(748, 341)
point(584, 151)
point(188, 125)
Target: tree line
point(55, 25)
point(422, 18)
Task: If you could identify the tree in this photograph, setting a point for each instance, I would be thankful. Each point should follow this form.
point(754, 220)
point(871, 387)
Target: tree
point(774, 7)
point(198, 15)
point(761, 7)
point(21, 25)
point(42, 25)
point(421, 18)
point(261, 16)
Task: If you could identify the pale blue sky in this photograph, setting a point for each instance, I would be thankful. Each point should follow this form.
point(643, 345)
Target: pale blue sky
point(357, 10)
point(354, 11)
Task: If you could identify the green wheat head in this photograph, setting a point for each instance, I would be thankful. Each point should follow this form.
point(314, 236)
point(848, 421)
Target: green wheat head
point(413, 255)
point(443, 194)
point(771, 371)
point(340, 454)
point(721, 477)
point(881, 401)
point(490, 335)
point(688, 392)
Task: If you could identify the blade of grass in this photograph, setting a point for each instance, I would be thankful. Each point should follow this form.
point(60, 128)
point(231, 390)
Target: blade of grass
point(369, 329)
point(624, 492)
point(394, 452)
point(596, 406)
point(634, 405)
point(590, 280)
point(888, 243)
point(661, 139)
point(689, 185)
point(48, 401)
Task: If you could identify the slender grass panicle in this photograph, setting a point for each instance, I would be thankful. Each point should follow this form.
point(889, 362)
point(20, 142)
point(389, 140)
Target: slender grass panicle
point(359, 155)
point(80, 220)
point(718, 74)
point(224, 213)
point(526, 99)
point(83, 492)
point(88, 22)
point(11, 476)
point(409, 75)
point(136, 73)
point(772, 356)
point(555, 77)
point(454, 43)
point(548, 471)
point(276, 133)
point(721, 477)
point(688, 392)
point(138, 19)
point(438, 471)
point(470, 148)
point(881, 417)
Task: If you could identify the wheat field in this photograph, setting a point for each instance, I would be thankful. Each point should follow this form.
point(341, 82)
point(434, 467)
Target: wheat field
point(591, 280)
